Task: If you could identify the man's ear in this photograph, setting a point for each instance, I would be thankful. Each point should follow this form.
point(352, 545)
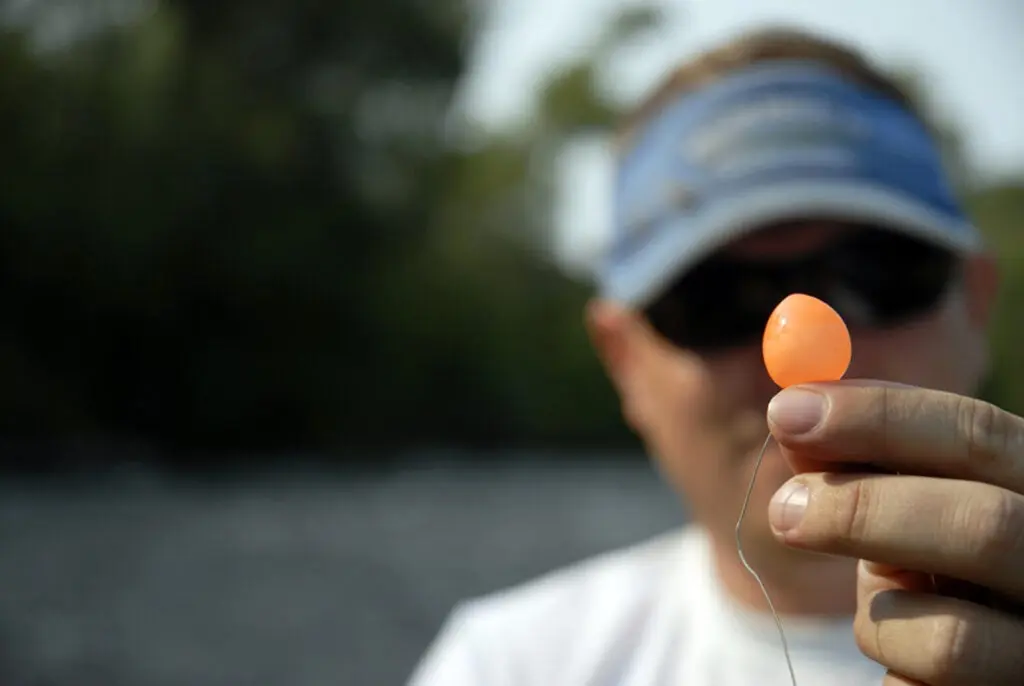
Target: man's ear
point(609, 326)
point(981, 282)
point(980, 292)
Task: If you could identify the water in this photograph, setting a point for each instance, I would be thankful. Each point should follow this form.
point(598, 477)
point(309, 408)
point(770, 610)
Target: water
point(299, 581)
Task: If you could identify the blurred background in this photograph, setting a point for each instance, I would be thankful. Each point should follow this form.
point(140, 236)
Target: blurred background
point(292, 355)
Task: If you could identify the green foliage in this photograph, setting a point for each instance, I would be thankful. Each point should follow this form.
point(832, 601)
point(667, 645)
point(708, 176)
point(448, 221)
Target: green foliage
point(244, 226)
point(999, 210)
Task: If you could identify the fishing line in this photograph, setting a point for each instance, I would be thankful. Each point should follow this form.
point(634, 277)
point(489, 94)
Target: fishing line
point(752, 571)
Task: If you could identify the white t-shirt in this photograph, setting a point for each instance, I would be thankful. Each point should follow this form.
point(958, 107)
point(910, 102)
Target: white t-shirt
point(649, 615)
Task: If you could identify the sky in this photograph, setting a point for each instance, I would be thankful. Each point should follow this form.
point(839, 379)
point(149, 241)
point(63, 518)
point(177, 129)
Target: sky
point(971, 53)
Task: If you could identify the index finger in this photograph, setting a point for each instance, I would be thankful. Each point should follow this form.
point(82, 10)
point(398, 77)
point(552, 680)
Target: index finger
point(900, 429)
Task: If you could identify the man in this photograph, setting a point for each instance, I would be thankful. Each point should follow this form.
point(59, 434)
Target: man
point(779, 163)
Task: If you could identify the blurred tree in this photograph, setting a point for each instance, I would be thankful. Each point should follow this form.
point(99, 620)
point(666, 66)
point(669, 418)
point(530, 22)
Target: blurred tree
point(246, 226)
point(204, 206)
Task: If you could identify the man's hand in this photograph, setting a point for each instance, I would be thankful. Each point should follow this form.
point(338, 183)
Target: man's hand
point(927, 489)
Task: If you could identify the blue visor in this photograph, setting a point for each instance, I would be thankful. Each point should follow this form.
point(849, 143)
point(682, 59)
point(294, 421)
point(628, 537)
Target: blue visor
point(775, 142)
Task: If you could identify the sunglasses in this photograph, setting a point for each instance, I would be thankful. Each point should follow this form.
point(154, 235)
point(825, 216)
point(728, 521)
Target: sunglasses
point(875, 279)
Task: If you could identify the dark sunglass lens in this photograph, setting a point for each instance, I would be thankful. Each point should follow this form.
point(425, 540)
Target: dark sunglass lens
point(718, 305)
point(896, 276)
point(874, 278)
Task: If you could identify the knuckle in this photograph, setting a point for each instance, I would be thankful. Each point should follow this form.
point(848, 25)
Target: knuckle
point(880, 414)
point(949, 647)
point(867, 634)
point(994, 525)
point(988, 433)
point(853, 507)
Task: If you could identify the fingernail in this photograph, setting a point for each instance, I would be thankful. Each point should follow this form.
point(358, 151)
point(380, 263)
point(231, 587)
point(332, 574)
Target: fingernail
point(788, 506)
point(796, 411)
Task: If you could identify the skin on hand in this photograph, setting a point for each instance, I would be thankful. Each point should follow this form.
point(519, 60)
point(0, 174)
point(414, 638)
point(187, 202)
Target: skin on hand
point(949, 502)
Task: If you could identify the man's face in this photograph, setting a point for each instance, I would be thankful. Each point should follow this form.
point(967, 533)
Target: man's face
point(702, 414)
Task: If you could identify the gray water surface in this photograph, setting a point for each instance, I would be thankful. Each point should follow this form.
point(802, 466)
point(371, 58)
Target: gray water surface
point(309, 580)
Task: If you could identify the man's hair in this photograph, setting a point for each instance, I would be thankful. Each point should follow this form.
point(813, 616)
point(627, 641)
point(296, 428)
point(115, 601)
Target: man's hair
point(755, 48)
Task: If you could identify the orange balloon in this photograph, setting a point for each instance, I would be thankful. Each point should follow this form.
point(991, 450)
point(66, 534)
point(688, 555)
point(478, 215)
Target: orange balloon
point(806, 341)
